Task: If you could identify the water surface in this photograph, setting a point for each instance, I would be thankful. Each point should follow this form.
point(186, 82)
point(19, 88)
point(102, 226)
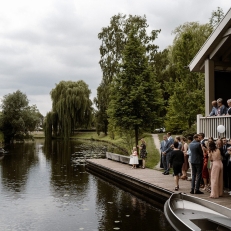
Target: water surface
point(41, 189)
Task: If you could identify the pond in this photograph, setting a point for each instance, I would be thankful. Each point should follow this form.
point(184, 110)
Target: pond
point(41, 189)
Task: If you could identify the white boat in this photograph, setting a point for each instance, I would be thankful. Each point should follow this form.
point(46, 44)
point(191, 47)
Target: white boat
point(185, 212)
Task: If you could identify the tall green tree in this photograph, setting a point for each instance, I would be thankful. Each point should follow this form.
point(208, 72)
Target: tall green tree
point(101, 102)
point(186, 89)
point(114, 38)
point(162, 71)
point(71, 108)
point(135, 96)
point(17, 116)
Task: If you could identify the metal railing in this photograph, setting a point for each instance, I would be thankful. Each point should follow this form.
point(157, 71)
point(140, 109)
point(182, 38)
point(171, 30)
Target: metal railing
point(208, 125)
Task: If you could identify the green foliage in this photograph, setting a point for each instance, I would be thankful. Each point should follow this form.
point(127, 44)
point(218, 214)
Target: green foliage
point(17, 116)
point(216, 17)
point(71, 108)
point(1, 138)
point(190, 132)
point(186, 89)
point(114, 39)
point(160, 68)
point(101, 103)
point(135, 96)
point(49, 123)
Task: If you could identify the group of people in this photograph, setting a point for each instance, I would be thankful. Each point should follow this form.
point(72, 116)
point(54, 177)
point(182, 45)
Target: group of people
point(209, 161)
point(219, 109)
point(134, 161)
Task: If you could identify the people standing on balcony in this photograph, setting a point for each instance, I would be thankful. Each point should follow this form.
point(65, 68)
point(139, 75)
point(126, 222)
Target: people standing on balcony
point(214, 108)
point(228, 168)
point(229, 107)
point(168, 151)
point(185, 165)
point(222, 110)
point(216, 172)
point(197, 163)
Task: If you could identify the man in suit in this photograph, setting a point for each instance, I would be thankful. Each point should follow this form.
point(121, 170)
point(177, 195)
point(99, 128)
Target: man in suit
point(201, 138)
point(197, 164)
point(162, 149)
point(168, 151)
point(224, 161)
point(228, 168)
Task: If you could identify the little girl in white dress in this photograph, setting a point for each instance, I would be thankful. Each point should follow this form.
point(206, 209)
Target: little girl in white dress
point(134, 158)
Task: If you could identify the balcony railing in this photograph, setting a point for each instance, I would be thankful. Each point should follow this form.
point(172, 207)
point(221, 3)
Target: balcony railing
point(208, 125)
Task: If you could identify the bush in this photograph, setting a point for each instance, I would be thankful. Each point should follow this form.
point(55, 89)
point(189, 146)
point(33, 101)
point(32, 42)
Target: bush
point(190, 132)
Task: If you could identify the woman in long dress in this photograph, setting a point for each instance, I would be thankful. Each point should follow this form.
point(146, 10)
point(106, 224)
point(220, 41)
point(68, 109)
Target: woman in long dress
point(185, 166)
point(216, 171)
point(205, 171)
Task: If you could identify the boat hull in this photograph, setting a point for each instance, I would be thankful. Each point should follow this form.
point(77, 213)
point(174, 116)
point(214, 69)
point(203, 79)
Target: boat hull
point(185, 212)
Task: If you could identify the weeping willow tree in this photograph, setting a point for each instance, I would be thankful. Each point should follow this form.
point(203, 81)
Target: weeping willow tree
point(71, 108)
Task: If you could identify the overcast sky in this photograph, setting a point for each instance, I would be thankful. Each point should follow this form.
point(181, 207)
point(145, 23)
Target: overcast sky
point(43, 42)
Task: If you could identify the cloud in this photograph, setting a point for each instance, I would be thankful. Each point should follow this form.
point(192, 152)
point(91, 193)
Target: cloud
point(47, 41)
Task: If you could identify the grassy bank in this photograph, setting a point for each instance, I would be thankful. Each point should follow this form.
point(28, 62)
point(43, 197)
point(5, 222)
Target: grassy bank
point(153, 154)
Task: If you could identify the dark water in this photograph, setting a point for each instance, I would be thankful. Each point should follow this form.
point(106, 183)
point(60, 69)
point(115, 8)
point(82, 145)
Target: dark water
point(41, 189)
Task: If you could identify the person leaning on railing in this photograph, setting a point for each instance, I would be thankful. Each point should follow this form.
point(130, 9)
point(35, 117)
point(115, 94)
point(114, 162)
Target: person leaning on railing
point(222, 109)
point(214, 109)
point(229, 109)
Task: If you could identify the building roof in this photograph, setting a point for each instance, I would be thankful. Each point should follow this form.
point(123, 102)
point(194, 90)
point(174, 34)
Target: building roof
point(217, 48)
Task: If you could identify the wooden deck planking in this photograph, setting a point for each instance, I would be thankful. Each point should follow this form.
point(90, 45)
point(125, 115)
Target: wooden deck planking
point(156, 177)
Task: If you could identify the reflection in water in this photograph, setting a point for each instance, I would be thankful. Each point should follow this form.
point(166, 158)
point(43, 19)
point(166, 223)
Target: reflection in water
point(41, 189)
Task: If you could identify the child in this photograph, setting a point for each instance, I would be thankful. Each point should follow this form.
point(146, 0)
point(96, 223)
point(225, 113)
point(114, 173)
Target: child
point(134, 158)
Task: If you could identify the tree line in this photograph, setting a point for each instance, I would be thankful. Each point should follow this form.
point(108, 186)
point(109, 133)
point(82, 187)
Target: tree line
point(141, 87)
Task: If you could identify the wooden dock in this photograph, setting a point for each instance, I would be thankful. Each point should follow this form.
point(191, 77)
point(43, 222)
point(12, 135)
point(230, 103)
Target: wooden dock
point(150, 184)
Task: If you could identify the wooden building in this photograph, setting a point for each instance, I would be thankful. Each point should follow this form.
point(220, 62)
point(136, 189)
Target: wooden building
point(214, 59)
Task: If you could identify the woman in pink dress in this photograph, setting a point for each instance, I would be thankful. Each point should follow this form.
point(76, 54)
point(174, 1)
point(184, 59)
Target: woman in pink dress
point(185, 166)
point(216, 171)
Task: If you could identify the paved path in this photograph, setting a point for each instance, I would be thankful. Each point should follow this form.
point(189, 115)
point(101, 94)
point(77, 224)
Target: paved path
point(157, 178)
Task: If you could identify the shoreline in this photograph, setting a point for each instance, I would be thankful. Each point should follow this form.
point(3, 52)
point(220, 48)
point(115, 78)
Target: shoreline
point(148, 184)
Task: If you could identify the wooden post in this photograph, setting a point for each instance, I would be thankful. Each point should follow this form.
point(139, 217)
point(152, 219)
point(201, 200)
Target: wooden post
point(209, 85)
